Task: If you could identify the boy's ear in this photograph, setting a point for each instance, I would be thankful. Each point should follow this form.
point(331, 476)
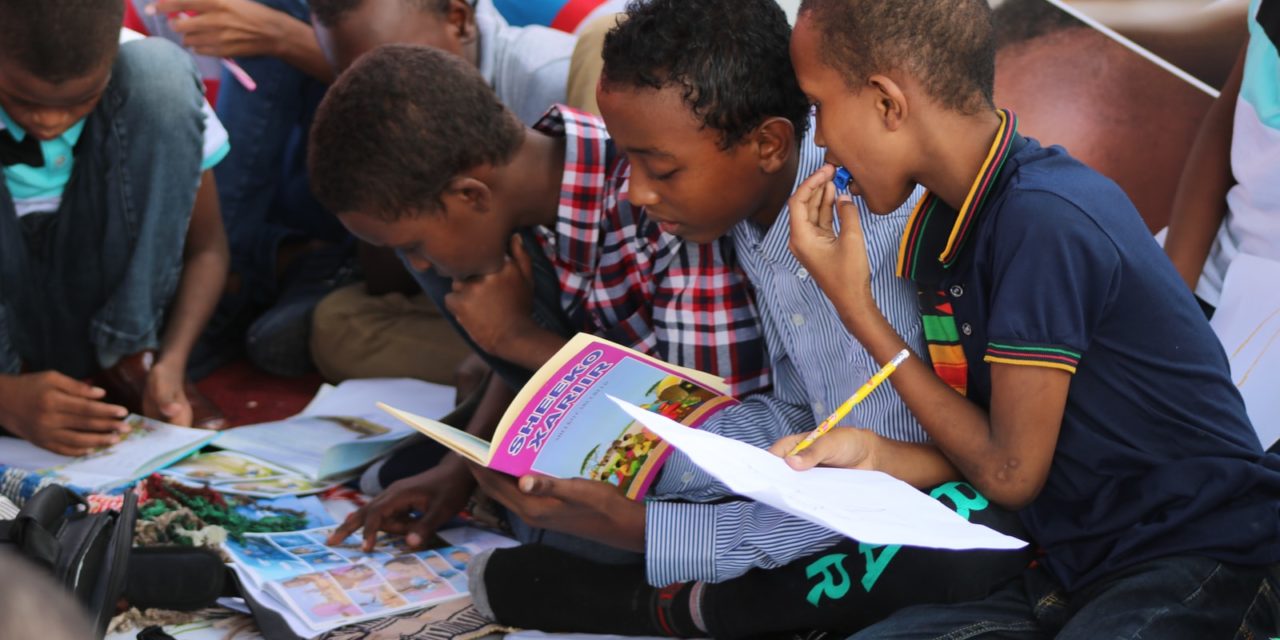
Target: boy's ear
point(891, 101)
point(774, 140)
point(467, 193)
point(462, 21)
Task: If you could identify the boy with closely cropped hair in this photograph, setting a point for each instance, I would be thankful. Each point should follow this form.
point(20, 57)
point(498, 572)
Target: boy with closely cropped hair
point(111, 246)
point(522, 236)
point(702, 97)
point(1087, 389)
point(384, 326)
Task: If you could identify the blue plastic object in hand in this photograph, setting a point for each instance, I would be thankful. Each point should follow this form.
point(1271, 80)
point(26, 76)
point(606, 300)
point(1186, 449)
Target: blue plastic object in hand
point(842, 180)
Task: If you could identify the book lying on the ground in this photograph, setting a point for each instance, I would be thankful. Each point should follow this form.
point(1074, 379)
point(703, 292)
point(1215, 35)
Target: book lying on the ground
point(149, 446)
point(868, 506)
point(562, 423)
point(341, 430)
point(317, 587)
point(242, 474)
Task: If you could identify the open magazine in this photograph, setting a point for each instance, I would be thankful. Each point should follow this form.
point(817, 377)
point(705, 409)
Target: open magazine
point(241, 474)
point(149, 446)
point(317, 587)
point(562, 423)
point(341, 430)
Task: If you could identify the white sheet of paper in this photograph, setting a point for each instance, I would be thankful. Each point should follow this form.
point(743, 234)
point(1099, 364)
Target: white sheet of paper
point(1247, 322)
point(868, 506)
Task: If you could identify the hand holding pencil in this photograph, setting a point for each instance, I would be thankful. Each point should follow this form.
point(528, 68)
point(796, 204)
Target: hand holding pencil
point(844, 409)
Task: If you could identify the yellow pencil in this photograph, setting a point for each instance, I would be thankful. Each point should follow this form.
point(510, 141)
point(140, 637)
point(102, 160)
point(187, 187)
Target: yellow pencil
point(854, 399)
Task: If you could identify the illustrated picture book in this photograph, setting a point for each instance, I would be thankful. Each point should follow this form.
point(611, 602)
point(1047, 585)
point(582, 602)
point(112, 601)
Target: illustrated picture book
point(317, 587)
point(241, 474)
point(341, 430)
point(562, 423)
point(149, 446)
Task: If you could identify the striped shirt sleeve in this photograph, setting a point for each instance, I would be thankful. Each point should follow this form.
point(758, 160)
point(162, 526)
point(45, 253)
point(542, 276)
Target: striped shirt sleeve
point(689, 537)
point(719, 541)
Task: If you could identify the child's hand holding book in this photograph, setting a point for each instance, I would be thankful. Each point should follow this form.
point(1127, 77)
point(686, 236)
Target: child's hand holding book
point(580, 507)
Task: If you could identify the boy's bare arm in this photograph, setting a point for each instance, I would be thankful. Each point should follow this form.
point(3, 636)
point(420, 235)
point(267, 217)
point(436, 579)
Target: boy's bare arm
point(416, 506)
point(1201, 199)
point(497, 312)
point(240, 28)
point(205, 260)
point(1006, 454)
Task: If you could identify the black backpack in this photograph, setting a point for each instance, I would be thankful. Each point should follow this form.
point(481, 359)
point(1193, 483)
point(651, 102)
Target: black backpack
point(87, 553)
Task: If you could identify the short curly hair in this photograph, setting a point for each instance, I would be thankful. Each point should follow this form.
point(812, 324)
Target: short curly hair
point(729, 58)
point(948, 45)
point(397, 126)
point(59, 40)
point(329, 12)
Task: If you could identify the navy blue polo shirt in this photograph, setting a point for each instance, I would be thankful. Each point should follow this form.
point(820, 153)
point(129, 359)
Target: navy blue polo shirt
point(1051, 265)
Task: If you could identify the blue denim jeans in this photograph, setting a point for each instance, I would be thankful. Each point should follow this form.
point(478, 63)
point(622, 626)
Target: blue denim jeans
point(1191, 598)
point(89, 283)
point(263, 184)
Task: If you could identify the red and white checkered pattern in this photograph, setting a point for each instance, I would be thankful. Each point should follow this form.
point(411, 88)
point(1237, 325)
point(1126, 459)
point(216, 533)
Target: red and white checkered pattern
point(623, 279)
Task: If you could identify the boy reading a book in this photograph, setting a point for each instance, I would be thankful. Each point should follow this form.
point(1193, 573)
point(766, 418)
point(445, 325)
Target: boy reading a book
point(702, 96)
point(521, 235)
point(528, 67)
point(112, 246)
point(1122, 441)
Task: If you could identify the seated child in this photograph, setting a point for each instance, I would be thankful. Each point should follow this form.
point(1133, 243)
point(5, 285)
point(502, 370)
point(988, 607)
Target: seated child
point(1096, 398)
point(285, 252)
point(1228, 202)
point(113, 250)
point(711, 112)
point(529, 69)
point(520, 235)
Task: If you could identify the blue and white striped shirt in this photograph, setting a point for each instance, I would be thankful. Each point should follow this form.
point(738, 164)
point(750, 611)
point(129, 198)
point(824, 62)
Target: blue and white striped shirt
point(695, 529)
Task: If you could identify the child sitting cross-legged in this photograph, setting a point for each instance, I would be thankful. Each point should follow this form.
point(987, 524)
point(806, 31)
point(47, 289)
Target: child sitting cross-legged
point(522, 237)
point(1098, 400)
point(702, 97)
point(111, 245)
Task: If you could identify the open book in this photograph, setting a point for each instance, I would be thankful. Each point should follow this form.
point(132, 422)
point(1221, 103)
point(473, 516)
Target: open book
point(562, 423)
point(341, 430)
point(316, 587)
point(150, 446)
point(241, 474)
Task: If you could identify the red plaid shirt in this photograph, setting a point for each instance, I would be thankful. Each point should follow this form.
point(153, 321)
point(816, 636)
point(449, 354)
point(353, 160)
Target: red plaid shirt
point(623, 279)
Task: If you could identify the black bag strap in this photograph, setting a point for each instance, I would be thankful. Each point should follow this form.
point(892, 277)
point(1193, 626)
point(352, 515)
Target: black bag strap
point(35, 528)
point(31, 539)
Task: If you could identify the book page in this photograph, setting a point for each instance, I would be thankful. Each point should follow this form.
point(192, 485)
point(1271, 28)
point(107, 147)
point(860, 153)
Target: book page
point(325, 587)
point(303, 443)
point(868, 506)
point(359, 397)
point(464, 444)
point(150, 446)
point(566, 427)
point(342, 429)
